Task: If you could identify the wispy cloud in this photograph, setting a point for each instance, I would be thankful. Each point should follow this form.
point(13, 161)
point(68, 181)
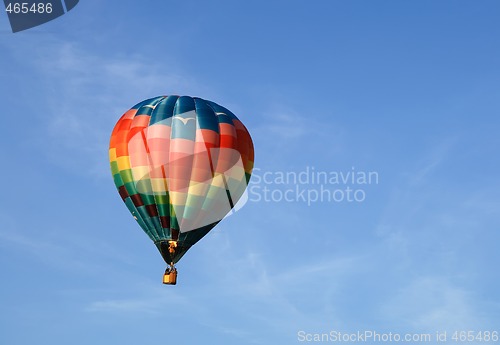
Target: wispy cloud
point(427, 164)
point(282, 132)
point(431, 238)
point(58, 249)
point(149, 299)
point(283, 123)
point(242, 286)
point(87, 91)
point(279, 290)
point(93, 91)
point(411, 194)
point(434, 303)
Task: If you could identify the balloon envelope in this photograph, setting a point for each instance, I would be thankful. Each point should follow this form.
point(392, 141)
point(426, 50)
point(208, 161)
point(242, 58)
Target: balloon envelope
point(180, 164)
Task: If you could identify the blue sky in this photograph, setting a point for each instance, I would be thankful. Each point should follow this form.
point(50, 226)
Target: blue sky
point(408, 89)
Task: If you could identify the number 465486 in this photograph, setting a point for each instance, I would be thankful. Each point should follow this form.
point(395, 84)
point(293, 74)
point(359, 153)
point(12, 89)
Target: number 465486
point(25, 8)
point(475, 336)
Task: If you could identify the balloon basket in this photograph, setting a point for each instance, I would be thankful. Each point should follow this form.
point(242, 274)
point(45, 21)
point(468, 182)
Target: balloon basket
point(170, 277)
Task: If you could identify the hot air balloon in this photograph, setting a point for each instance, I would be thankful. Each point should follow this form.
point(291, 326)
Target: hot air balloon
point(180, 164)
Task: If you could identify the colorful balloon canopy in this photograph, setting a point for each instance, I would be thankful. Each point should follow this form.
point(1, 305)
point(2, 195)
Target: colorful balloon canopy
point(180, 164)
